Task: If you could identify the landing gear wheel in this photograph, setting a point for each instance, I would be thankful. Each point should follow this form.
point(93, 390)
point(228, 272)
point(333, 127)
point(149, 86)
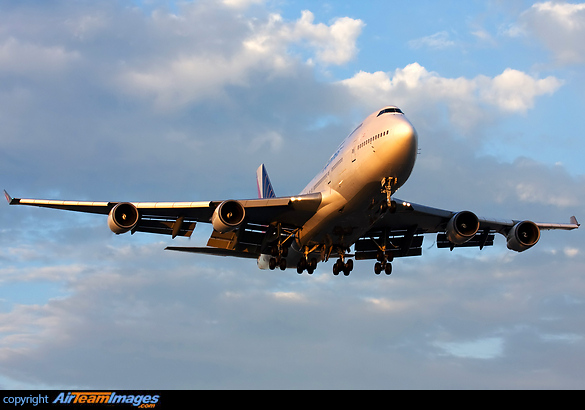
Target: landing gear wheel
point(348, 267)
point(335, 269)
point(313, 264)
point(388, 268)
point(272, 263)
point(378, 268)
point(310, 266)
point(302, 265)
point(339, 266)
point(282, 264)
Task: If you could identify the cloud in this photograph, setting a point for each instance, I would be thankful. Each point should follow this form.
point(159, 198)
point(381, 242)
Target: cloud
point(20, 57)
point(334, 44)
point(255, 47)
point(242, 4)
point(515, 91)
point(488, 348)
point(437, 41)
point(418, 89)
point(560, 26)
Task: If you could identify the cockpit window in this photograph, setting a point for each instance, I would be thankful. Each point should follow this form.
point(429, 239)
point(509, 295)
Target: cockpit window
point(390, 110)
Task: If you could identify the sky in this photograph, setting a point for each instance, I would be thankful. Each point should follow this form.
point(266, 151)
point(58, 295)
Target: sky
point(183, 100)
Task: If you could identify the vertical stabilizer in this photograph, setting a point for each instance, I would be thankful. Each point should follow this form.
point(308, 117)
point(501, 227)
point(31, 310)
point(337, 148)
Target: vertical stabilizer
point(265, 189)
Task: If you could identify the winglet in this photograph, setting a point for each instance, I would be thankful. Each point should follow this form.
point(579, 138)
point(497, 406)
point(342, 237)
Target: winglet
point(574, 221)
point(265, 189)
point(10, 200)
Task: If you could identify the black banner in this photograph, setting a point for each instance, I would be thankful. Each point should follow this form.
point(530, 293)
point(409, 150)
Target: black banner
point(107, 399)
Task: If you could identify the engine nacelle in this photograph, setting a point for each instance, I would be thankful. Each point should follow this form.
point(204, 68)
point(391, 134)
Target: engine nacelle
point(523, 236)
point(123, 217)
point(462, 227)
point(228, 216)
point(263, 262)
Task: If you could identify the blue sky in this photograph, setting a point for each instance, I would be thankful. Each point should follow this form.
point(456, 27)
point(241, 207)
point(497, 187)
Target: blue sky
point(158, 100)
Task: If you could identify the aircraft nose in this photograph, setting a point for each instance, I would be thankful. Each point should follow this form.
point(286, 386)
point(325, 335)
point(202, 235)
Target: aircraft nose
point(405, 135)
point(403, 150)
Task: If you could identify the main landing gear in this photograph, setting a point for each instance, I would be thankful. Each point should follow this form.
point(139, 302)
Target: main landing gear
point(383, 264)
point(278, 258)
point(279, 251)
point(310, 264)
point(306, 263)
point(339, 266)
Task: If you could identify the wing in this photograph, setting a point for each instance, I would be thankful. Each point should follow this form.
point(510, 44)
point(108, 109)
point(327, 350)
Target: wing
point(401, 231)
point(258, 218)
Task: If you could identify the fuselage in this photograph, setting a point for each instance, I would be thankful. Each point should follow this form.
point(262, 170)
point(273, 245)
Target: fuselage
point(382, 147)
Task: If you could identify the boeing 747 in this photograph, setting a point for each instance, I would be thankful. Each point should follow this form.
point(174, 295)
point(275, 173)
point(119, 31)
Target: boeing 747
point(350, 203)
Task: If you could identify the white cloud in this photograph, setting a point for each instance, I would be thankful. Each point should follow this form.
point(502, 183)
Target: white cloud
point(334, 44)
point(290, 296)
point(242, 4)
point(489, 348)
point(390, 306)
point(560, 26)
point(516, 91)
point(256, 47)
point(512, 91)
point(437, 41)
point(568, 14)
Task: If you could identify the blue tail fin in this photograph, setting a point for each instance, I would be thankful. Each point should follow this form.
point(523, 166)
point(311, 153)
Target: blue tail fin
point(265, 189)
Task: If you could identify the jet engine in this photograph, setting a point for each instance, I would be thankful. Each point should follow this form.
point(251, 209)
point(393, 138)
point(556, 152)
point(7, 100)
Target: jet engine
point(523, 236)
point(263, 262)
point(228, 216)
point(123, 217)
point(462, 227)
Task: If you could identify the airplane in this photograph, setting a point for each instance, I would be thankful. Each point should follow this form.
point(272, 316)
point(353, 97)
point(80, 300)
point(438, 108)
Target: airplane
point(349, 203)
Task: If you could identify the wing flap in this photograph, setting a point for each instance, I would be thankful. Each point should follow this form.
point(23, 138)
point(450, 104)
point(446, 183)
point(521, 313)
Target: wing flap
point(214, 252)
point(480, 240)
point(394, 244)
point(176, 227)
